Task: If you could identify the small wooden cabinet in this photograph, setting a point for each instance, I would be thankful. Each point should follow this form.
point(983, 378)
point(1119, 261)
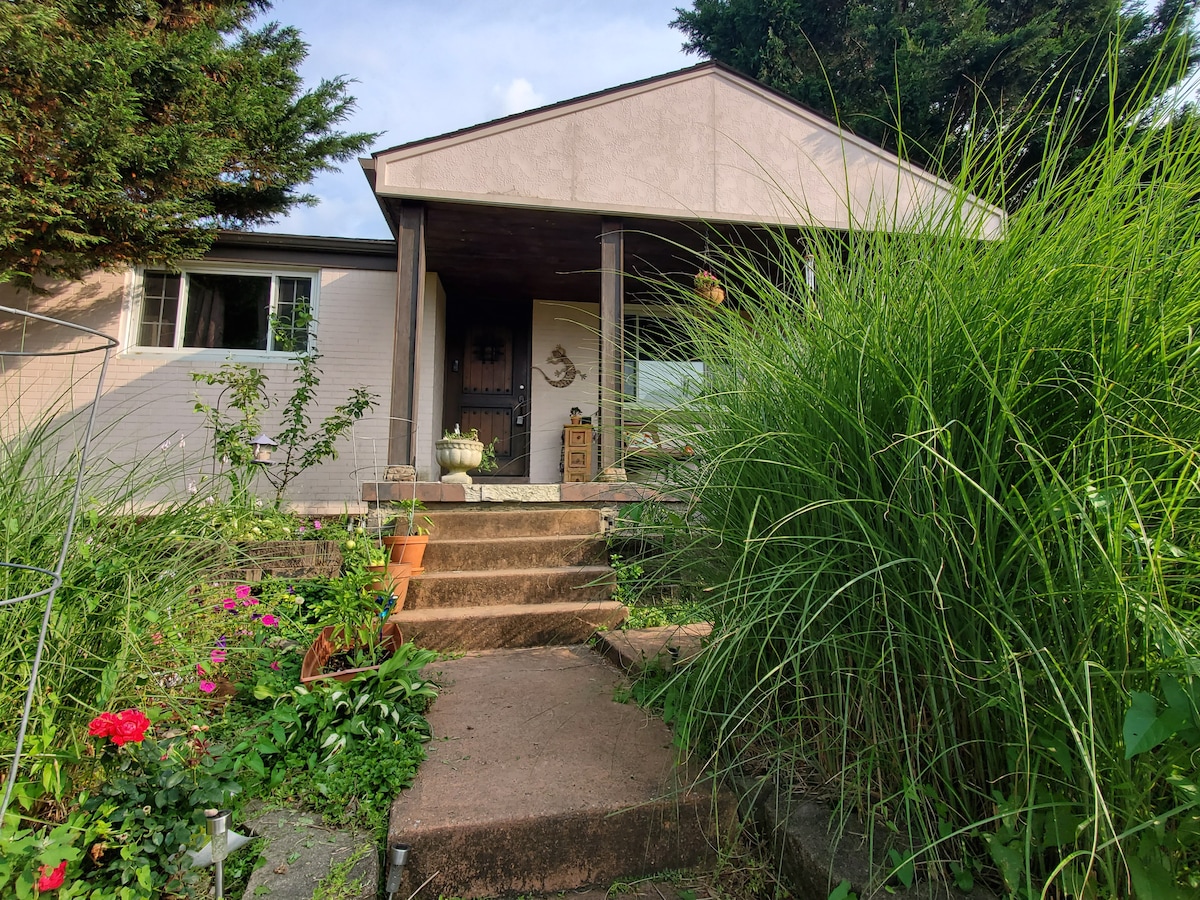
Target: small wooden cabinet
point(577, 453)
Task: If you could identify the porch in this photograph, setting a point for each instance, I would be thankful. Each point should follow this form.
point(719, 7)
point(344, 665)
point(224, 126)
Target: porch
point(433, 493)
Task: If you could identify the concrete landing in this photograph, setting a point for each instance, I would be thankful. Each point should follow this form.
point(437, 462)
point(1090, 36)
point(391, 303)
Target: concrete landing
point(538, 781)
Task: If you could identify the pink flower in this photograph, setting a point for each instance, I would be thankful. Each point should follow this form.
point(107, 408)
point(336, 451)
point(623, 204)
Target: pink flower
point(156, 638)
point(51, 879)
point(229, 603)
point(275, 666)
point(207, 686)
point(317, 524)
point(217, 657)
point(242, 591)
point(250, 601)
point(200, 670)
point(270, 621)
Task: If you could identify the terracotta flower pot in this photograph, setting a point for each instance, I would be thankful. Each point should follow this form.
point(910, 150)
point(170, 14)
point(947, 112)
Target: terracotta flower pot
point(392, 578)
point(325, 646)
point(408, 548)
point(714, 294)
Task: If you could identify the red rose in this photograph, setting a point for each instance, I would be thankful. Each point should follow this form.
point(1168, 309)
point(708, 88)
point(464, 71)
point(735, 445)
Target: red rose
point(129, 725)
point(102, 725)
point(51, 879)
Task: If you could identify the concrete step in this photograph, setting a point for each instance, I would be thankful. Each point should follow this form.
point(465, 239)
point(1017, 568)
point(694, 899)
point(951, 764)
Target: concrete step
point(484, 521)
point(496, 587)
point(511, 625)
point(515, 552)
point(537, 781)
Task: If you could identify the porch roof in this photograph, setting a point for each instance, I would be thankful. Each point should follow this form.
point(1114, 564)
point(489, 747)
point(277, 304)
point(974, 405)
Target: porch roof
point(704, 144)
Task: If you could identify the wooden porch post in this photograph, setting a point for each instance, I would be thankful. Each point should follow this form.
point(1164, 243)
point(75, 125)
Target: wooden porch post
point(406, 353)
point(612, 346)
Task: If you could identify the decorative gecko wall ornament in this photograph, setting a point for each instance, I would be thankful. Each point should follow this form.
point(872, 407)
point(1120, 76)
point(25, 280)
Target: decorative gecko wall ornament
point(564, 372)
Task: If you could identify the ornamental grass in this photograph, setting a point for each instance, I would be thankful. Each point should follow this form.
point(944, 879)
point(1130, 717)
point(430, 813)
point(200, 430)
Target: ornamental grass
point(945, 510)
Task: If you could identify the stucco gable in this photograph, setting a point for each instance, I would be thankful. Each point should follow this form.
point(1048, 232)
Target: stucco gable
point(704, 143)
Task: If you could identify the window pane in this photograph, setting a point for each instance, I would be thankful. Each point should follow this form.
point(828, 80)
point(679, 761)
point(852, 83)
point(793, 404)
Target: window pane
point(665, 383)
point(660, 365)
point(160, 310)
point(294, 294)
point(229, 312)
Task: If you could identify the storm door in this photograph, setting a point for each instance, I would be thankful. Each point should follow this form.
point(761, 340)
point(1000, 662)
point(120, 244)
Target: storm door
point(487, 378)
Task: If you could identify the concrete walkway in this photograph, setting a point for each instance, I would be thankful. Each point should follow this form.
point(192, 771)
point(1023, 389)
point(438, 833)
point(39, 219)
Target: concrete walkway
point(538, 781)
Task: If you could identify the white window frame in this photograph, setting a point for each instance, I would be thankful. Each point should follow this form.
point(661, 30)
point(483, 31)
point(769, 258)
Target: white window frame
point(135, 296)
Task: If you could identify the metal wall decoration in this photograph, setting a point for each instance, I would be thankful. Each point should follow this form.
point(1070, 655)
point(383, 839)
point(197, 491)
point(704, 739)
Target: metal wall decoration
point(564, 371)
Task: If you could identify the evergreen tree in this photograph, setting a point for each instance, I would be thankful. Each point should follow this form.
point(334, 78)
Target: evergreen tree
point(916, 76)
point(130, 130)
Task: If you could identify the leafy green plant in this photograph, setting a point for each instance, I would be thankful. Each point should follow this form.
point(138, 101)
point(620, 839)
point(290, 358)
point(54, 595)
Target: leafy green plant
point(152, 800)
point(128, 835)
point(404, 518)
point(301, 443)
point(354, 611)
point(126, 580)
point(488, 463)
point(629, 579)
point(378, 706)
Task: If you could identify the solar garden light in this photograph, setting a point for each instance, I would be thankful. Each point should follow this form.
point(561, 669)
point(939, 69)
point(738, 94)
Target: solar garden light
point(218, 831)
point(222, 840)
point(397, 857)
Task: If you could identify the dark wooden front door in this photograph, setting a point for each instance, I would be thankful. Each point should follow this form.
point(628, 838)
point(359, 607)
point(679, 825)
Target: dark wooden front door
point(487, 377)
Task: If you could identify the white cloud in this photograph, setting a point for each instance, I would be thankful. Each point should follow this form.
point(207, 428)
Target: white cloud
point(519, 96)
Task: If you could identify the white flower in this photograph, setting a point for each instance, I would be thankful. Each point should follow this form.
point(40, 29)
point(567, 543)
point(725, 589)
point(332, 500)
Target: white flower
point(181, 444)
point(258, 503)
point(193, 487)
point(165, 445)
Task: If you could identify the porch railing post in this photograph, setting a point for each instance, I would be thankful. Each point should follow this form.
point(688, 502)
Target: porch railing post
point(406, 353)
point(612, 346)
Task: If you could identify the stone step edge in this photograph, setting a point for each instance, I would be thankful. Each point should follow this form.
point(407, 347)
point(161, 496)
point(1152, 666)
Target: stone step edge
point(436, 613)
point(560, 538)
point(675, 831)
point(454, 574)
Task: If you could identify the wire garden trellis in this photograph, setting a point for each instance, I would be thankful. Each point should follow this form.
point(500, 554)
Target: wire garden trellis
point(95, 342)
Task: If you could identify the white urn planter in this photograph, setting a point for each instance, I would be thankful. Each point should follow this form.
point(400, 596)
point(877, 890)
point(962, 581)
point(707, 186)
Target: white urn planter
point(458, 456)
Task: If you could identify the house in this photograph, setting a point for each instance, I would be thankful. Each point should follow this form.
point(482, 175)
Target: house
point(513, 289)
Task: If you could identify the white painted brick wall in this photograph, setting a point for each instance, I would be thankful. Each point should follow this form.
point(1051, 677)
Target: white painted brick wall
point(148, 400)
point(576, 327)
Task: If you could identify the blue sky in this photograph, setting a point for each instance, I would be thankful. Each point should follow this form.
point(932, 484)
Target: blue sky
point(426, 67)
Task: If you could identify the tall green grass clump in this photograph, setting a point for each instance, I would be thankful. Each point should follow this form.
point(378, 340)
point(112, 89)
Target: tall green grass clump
point(946, 508)
point(128, 578)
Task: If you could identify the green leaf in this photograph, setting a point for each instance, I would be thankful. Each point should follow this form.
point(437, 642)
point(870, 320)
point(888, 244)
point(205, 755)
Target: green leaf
point(255, 764)
point(1008, 860)
point(1152, 882)
point(902, 867)
point(1144, 728)
point(843, 892)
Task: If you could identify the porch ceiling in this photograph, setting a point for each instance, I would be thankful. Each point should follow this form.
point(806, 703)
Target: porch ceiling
point(509, 252)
